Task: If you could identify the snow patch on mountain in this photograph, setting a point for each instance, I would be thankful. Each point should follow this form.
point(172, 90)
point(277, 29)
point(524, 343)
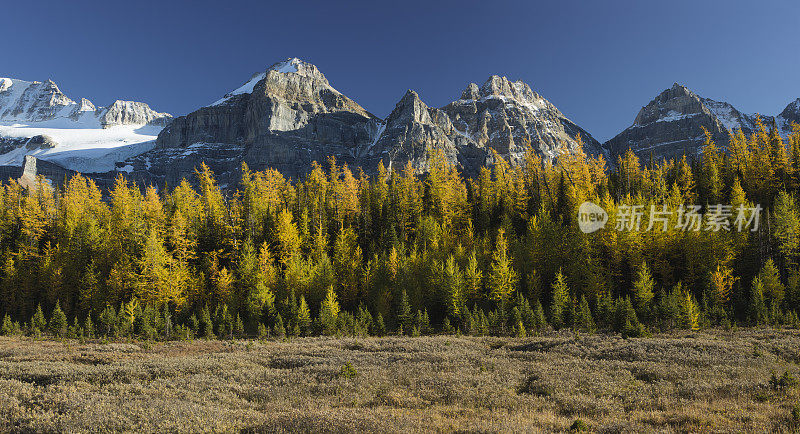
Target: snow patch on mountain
point(75, 135)
point(246, 88)
point(80, 146)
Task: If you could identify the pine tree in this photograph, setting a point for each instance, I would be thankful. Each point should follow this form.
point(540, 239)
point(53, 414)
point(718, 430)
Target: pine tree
point(473, 277)
point(771, 280)
point(502, 278)
point(287, 236)
point(238, 328)
point(194, 325)
point(689, 312)
point(626, 320)
point(526, 313)
point(58, 321)
point(454, 284)
point(560, 302)
point(38, 322)
point(88, 326)
point(380, 326)
point(787, 226)
point(584, 321)
point(404, 317)
point(206, 328)
point(303, 316)
point(329, 312)
point(539, 320)
point(7, 328)
point(757, 308)
point(108, 320)
point(643, 290)
point(278, 329)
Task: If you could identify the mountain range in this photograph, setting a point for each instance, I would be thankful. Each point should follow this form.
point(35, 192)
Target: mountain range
point(289, 116)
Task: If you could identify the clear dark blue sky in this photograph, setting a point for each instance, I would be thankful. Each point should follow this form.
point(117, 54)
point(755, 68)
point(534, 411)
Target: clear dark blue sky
point(598, 61)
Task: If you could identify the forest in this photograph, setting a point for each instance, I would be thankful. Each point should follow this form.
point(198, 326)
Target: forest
point(343, 253)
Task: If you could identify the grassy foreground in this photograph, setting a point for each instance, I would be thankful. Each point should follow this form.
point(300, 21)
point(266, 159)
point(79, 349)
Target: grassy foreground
point(708, 381)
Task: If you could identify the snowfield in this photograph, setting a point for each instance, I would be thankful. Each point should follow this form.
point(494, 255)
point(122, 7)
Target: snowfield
point(81, 146)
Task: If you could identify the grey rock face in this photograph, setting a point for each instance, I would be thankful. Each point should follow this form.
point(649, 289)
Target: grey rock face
point(411, 132)
point(789, 115)
point(669, 126)
point(31, 167)
point(35, 101)
point(290, 116)
point(507, 117)
point(41, 141)
point(129, 113)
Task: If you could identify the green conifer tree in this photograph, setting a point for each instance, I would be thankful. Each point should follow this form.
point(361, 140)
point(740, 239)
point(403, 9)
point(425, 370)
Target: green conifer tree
point(303, 320)
point(38, 322)
point(560, 302)
point(58, 322)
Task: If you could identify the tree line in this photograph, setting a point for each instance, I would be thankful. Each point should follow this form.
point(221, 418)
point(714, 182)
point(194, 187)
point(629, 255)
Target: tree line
point(338, 252)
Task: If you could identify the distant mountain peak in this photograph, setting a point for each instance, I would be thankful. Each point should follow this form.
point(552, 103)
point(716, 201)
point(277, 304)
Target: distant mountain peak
point(291, 66)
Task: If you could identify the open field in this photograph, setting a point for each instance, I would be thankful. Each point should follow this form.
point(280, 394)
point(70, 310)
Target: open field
point(708, 381)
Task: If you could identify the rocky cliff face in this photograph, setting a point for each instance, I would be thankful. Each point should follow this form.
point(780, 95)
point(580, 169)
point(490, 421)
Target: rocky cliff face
point(789, 115)
point(284, 118)
point(290, 115)
point(32, 101)
point(129, 113)
point(508, 117)
point(672, 124)
point(35, 101)
point(412, 130)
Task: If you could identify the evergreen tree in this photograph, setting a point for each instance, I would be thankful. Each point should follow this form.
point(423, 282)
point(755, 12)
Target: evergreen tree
point(643, 290)
point(770, 278)
point(88, 326)
point(689, 312)
point(303, 320)
point(502, 278)
point(7, 328)
point(38, 322)
point(206, 325)
point(278, 329)
point(404, 317)
point(380, 326)
point(58, 322)
point(757, 308)
point(329, 312)
point(560, 302)
point(584, 321)
point(539, 320)
point(108, 320)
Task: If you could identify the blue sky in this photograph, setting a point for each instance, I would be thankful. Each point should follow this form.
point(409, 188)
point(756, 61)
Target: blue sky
point(598, 61)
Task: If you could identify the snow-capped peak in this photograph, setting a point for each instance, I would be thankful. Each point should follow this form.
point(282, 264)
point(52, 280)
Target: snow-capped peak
point(36, 118)
point(287, 66)
point(292, 65)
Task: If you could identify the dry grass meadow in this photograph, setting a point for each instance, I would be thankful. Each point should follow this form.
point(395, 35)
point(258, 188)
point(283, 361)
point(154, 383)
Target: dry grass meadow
point(711, 381)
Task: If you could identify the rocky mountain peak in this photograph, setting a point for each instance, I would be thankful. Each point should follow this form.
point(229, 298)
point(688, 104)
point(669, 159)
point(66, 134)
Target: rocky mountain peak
point(294, 65)
point(792, 111)
point(410, 107)
point(471, 93)
point(497, 86)
point(671, 104)
point(132, 113)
